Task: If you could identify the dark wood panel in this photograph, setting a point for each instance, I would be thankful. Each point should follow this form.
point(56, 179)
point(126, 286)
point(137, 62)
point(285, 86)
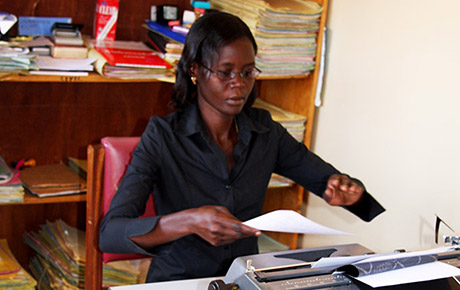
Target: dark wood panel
point(49, 122)
point(132, 14)
point(284, 198)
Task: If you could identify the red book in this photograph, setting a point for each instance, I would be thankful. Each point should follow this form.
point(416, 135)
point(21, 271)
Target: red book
point(132, 57)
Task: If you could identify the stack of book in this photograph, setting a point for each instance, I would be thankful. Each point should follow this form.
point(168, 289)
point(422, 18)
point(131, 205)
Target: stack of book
point(59, 262)
point(68, 41)
point(166, 40)
point(285, 31)
point(11, 189)
point(128, 60)
point(12, 275)
point(294, 124)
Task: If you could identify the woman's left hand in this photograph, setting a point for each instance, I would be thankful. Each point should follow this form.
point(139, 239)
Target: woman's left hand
point(341, 190)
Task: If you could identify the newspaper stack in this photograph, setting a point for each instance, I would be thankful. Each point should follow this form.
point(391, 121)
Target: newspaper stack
point(59, 262)
point(285, 31)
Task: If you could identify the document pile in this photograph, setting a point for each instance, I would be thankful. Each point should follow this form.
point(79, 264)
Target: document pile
point(12, 275)
point(294, 124)
point(59, 262)
point(14, 58)
point(11, 189)
point(285, 31)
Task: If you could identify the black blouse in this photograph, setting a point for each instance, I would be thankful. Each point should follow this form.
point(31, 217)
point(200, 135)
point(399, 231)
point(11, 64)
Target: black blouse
point(184, 168)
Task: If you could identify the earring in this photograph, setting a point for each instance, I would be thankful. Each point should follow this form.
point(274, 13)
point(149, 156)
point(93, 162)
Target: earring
point(193, 79)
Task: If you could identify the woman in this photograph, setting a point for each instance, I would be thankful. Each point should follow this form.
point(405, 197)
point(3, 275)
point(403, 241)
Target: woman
point(209, 164)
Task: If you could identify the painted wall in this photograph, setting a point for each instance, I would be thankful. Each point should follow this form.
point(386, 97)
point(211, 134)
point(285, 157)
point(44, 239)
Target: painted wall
point(391, 117)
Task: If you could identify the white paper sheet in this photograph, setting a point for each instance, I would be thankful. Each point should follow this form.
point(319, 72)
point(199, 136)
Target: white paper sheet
point(341, 261)
point(419, 273)
point(77, 64)
point(424, 272)
point(289, 221)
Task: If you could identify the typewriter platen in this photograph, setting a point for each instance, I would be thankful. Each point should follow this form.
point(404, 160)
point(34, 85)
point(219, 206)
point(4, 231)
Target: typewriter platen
point(292, 270)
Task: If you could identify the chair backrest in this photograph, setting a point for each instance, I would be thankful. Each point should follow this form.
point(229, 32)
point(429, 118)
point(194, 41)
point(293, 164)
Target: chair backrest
point(107, 163)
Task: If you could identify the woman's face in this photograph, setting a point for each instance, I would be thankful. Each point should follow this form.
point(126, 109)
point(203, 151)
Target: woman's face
point(226, 97)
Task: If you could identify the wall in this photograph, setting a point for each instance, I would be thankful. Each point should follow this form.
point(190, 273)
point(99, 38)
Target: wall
point(390, 117)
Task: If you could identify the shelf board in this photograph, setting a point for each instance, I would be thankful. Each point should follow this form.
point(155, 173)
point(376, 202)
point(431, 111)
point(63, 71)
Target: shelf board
point(92, 78)
point(96, 78)
point(32, 199)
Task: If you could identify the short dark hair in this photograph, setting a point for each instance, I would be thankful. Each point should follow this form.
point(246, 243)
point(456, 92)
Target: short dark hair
point(207, 35)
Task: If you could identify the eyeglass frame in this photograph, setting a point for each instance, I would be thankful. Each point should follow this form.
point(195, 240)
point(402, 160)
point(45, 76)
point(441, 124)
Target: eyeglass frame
point(220, 76)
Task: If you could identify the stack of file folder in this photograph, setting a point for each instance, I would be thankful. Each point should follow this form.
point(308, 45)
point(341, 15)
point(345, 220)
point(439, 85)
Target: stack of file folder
point(294, 124)
point(285, 31)
point(12, 275)
point(59, 262)
point(52, 180)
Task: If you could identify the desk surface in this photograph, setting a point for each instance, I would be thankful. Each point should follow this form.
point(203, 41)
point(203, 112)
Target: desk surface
point(190, 284)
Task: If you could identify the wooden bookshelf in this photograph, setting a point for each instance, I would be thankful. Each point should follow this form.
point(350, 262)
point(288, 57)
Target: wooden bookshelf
point(94, 77)
point(50, 118)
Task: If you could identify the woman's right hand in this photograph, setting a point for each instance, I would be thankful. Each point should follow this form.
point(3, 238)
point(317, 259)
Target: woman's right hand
point(215, 224)
point(218, 226)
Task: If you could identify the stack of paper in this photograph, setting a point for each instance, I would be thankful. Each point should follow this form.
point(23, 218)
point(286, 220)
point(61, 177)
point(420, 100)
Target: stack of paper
point(14, 58)
point(48, 65)
point(60, 259)
point(294, 124)
point(11, 189)
point(52, 180)
point(12, 275)
point(285, 31)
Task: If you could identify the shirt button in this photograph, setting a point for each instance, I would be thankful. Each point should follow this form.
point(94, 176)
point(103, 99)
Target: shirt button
point(228, 187)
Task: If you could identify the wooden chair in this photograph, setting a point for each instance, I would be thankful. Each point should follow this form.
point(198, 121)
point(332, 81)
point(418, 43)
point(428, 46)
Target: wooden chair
point(107, 163)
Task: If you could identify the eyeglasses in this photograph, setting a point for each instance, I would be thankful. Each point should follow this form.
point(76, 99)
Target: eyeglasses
point(226, 75)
